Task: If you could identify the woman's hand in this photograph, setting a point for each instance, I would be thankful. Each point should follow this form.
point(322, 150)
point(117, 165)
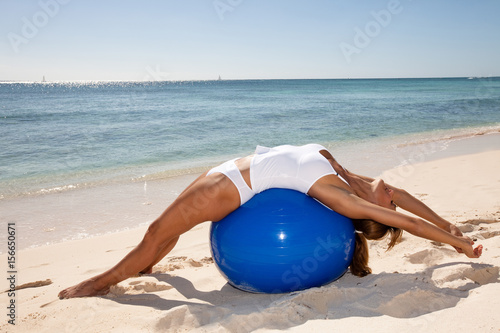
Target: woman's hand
point(468, 250)
point(452, 229)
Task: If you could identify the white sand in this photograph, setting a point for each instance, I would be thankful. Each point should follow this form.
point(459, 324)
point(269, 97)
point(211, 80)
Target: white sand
point(418, 286)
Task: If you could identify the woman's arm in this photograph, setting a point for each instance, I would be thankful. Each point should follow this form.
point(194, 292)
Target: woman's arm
point(348, 204)
point(411, 204)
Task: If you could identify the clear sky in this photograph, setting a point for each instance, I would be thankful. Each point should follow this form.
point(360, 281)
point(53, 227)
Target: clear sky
point(247, 39)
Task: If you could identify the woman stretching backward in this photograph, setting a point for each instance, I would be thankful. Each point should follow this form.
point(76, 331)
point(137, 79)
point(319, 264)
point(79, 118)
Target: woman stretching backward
point(311, 169)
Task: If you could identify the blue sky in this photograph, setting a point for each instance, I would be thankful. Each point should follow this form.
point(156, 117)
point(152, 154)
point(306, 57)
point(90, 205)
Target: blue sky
point(74, 40)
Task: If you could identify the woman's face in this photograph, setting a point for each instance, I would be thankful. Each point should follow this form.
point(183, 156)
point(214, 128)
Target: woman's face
point(382, 194)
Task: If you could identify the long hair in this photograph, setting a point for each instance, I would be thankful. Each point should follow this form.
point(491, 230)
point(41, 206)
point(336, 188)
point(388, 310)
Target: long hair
point(369, 229)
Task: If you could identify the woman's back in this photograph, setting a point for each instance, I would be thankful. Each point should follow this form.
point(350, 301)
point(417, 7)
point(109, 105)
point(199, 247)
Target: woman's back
point(291, 167)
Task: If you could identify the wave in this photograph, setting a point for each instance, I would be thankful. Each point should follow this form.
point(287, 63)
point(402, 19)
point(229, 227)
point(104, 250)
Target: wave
point(9, 191)
point(457, 134)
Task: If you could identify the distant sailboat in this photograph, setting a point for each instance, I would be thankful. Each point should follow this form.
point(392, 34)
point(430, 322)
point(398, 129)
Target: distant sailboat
point(220, 78)
point(43, 79)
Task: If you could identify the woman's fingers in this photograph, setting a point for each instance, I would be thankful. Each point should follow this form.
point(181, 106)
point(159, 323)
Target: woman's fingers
point(474, 253)
point(478, 251)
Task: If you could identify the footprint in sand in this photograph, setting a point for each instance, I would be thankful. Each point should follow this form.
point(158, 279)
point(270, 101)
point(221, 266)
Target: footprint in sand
point(487, 234)
point(479, 221)
point(416, 302)
point(207, 260)
point(148, 284)
point(158, 269)
point(176, 259)
point(467, 228)
point(175, 263)
point(478, 274)
point(138, 287)
point(430, 257)
point(483, 275)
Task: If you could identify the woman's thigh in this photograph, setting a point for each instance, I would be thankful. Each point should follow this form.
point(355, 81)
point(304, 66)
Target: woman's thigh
point(209, 198)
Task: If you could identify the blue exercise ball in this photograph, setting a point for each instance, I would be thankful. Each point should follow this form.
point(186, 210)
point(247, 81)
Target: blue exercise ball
point(281, 241)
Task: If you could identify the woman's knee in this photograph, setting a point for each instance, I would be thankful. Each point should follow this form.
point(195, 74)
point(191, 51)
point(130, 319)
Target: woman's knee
point(152, 233)
point(156, 237)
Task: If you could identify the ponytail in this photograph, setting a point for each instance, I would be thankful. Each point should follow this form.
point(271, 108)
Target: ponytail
point(368, 229)
point(359, 264)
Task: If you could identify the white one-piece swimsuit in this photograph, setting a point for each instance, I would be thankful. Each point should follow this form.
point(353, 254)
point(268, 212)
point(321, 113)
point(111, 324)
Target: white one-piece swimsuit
point(289, 167)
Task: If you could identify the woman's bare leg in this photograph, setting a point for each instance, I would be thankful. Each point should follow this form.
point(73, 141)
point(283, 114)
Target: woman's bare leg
point(163, 253)
point(173, 242)
point(208, 199)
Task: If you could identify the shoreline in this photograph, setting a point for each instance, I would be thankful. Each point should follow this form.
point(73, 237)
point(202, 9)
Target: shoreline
point(418, 286)
point(108, 209)
point(392, 148)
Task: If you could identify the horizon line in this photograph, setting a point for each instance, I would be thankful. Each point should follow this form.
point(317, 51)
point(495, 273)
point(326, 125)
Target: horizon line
point(254, 79)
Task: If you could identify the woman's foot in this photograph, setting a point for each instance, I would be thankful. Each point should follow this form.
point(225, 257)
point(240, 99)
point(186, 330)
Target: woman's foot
point(83, 289)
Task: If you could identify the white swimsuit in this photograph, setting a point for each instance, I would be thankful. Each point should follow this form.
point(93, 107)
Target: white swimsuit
point(290, 167)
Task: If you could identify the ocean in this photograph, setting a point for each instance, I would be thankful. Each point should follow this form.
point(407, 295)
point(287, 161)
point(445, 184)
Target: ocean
point(65, 138)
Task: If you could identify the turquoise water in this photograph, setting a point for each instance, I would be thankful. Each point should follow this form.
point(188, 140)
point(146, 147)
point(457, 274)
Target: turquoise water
point(67, 135)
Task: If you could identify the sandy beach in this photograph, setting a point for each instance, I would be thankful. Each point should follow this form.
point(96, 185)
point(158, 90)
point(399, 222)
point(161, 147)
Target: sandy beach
point(419, 286)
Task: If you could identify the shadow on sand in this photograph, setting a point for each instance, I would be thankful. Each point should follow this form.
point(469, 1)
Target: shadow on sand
point(393, 294)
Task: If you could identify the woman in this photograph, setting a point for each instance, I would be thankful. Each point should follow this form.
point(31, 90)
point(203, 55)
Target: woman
point(310, 169)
